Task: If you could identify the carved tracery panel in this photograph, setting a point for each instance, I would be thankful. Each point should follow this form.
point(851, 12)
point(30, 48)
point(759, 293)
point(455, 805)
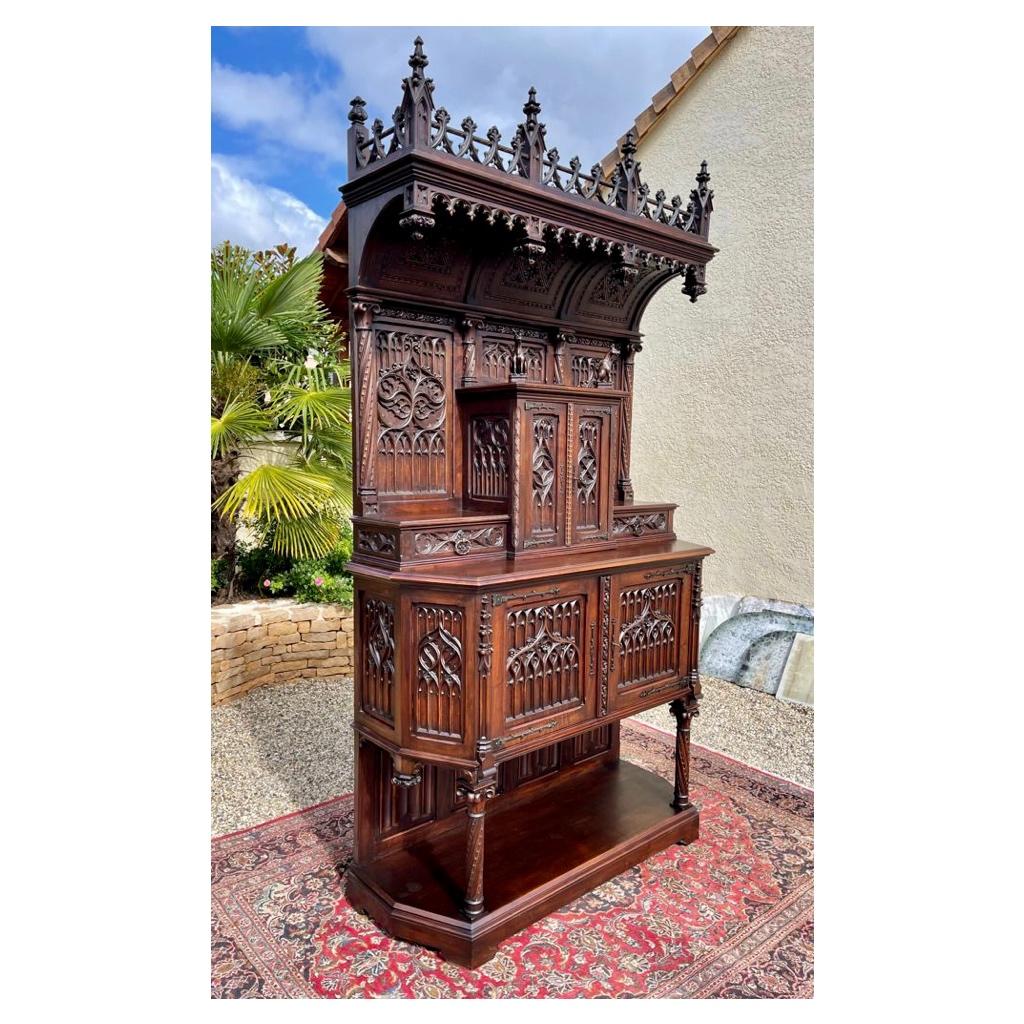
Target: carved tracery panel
point(438, 708)
point(542, 665)
point(588, 472)
point(489, 457)
point(648, 640)
point(543, 480)
point(378, 667)
point(412, 412)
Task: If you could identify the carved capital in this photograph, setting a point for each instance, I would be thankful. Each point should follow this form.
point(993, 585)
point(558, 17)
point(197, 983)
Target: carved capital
point(407, 773)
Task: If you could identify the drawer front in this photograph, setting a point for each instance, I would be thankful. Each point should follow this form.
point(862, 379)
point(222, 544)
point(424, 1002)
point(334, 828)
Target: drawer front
point(651, 634)
point(544, 656)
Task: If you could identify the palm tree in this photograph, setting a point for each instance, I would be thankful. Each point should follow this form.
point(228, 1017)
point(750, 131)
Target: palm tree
point(281, 439)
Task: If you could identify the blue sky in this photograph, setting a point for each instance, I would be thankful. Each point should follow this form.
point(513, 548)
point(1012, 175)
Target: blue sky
point(281, 97)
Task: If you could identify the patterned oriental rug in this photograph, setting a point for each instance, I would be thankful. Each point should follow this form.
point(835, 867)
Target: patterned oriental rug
point(730, 916)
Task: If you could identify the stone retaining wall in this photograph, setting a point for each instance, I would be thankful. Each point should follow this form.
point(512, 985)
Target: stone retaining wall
point(260, 642)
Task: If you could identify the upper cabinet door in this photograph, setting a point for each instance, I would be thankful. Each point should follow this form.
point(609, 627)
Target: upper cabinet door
point(592, 450)
point(542, 474)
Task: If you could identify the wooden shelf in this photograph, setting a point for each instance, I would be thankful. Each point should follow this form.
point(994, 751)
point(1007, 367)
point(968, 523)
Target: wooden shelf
point(552, 844)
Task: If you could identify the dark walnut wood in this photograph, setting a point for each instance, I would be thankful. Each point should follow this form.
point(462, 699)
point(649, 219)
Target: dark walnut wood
point(513, 601)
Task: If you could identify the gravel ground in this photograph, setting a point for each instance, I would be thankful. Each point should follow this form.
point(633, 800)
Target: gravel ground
point(277, 749)
point(280, 748)
point(750, 726)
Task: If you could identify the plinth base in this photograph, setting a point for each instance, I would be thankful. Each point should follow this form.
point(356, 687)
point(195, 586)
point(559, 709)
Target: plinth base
point(550, 846)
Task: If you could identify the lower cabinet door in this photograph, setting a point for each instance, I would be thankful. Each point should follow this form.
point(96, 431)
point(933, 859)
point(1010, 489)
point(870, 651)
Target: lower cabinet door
point(650, 635)
point(544, 658)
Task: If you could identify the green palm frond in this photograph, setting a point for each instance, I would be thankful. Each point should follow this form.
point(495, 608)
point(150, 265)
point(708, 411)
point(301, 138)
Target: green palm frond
point(312, 537)
point(241, 422)
point(334, 446)
point(274, 492)
point(295, 293)
point(312, 410)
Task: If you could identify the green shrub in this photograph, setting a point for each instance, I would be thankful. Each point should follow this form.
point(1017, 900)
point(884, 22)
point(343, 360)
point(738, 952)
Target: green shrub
point(257, 565)
point(216, 574)
point(310, 580)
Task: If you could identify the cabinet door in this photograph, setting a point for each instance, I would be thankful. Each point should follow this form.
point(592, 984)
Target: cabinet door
point(544, 658)
point(542, 475)
point(651, 614)
point(591, 457)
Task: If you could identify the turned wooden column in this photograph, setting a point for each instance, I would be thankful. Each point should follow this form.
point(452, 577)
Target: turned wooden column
point(477, 798)
point(683, 711)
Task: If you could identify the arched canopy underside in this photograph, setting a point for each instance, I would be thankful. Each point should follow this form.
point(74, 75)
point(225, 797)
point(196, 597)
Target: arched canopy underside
point(490, 267)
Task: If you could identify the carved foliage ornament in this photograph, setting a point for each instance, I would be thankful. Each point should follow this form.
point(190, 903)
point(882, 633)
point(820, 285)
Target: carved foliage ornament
point(459, 542)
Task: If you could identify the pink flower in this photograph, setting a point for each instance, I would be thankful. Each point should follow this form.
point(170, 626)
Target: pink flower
point(266, 583)
point(319, 581)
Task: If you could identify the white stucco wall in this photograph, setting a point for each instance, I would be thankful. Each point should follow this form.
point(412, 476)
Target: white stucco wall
point(723, 407)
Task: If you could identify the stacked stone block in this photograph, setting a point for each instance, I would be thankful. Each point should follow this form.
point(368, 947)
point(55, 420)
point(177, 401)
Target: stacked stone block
point(260, 642)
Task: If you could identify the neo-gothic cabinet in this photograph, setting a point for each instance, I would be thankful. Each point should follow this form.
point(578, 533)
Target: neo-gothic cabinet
point(514, 601)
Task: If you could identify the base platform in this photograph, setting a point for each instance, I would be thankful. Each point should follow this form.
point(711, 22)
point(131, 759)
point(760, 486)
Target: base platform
point(540, 852)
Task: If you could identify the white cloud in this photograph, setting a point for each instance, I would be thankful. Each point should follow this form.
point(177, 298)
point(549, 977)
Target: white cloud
point(259, 216)
point(282, 109)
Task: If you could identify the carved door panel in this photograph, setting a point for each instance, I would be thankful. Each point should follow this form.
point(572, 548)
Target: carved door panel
point(413, 411)
point(545, 651)
point(540, 510)
point(592, 454)
point(439, 680)
point(378, 661)
point(650, 635)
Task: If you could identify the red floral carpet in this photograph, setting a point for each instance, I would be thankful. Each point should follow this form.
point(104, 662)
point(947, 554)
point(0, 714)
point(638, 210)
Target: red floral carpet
point(730, 916)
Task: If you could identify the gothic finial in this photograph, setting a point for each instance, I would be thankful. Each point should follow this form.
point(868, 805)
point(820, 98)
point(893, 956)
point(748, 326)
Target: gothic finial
point(418, 59)
point(357, 115)
point(531, 108)
point(628, 148)
point(702, 175)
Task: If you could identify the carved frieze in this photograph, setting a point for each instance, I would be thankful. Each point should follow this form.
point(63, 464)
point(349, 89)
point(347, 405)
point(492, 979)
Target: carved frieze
point(459, 541)
point(375, 542)
point(639, 523)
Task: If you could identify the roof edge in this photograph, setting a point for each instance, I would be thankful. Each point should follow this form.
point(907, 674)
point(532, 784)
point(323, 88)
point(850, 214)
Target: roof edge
point(680, 80)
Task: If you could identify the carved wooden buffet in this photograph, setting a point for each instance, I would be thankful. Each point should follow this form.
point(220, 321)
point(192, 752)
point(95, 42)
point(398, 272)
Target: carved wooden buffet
point(513, 600)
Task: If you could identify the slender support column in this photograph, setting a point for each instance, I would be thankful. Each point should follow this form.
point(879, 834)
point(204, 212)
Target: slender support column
point(362, 374)
point(473, 904)
point(629, 350)
point(683, 711)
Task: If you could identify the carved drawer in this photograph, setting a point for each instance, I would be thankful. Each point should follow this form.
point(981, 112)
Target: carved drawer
point(650, 634)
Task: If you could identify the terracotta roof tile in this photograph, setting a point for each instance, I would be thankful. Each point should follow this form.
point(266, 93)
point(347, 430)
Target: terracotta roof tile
point(681, 79)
